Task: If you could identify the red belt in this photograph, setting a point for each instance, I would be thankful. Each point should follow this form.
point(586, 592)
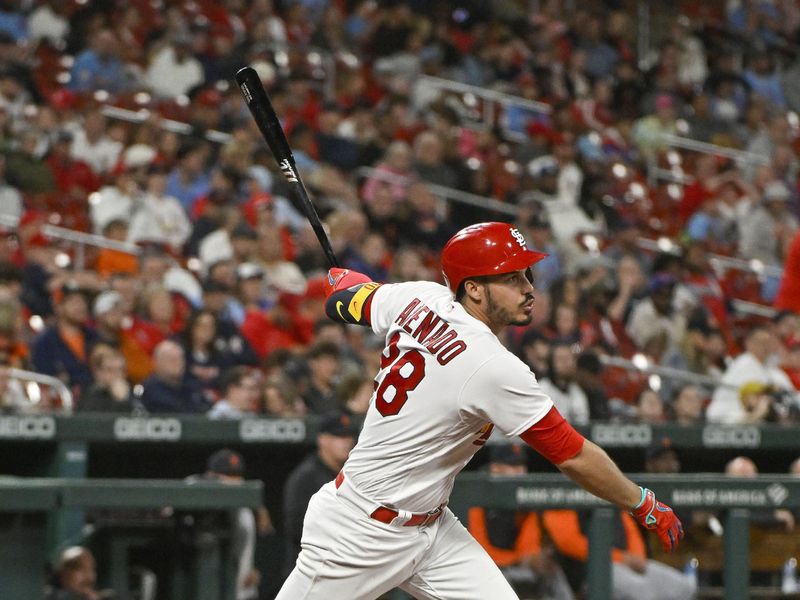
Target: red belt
point(387, 515)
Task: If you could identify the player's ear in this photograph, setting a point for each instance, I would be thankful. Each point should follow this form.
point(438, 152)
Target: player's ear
point(474, 289)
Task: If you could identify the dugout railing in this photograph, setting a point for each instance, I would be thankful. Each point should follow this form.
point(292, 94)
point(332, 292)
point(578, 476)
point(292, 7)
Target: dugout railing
point(203, 562)
point(86, 447)
point(733, 497)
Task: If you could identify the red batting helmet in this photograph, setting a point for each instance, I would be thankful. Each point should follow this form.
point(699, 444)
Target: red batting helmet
point(485, 249)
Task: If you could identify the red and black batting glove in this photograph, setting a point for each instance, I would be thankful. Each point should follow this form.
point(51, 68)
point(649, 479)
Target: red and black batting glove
point(341, 279)
point(655, 515)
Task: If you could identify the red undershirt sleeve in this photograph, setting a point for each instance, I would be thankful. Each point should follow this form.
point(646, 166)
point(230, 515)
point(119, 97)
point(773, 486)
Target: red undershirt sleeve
point(554, 438)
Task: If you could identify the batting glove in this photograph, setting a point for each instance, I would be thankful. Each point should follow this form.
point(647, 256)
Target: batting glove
point(652, 514)
point(341, 279)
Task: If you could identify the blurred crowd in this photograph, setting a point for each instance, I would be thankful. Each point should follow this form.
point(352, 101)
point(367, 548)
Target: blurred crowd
point(205, 294)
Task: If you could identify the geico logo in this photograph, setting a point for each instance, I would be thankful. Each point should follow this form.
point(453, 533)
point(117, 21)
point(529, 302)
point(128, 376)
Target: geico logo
point(147, 429)
point(267, 430)
point(40, 428)
point(622, 435)
point(737, 437)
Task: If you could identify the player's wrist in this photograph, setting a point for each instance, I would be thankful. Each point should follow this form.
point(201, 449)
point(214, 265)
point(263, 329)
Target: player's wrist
point(643, 496)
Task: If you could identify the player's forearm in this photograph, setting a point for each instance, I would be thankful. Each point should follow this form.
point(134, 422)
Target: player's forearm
point(595, 472)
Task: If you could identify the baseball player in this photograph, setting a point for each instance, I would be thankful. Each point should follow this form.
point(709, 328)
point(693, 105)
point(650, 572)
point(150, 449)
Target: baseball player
point(445, 382)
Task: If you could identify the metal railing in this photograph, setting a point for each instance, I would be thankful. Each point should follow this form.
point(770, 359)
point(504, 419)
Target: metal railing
point(735, 497)
point(740, 156)
point(64, 393)
point(79, 238)
point(493, 102)
point(661, 371)
point(179, 127)
point(439, 191)
point(719, 262)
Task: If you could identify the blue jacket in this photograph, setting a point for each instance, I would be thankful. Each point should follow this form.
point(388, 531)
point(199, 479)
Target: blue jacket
point(159, 396)
point(52, 356)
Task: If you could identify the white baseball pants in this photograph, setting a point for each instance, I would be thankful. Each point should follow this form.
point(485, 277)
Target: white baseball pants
point(347, 555)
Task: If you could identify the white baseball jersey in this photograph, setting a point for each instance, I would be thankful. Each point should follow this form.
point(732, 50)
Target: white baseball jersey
point(445, 381)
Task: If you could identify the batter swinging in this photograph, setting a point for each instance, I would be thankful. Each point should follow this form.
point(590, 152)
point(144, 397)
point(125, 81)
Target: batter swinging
point(445, 382)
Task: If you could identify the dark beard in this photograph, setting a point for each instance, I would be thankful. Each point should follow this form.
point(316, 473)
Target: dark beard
point(502, 315)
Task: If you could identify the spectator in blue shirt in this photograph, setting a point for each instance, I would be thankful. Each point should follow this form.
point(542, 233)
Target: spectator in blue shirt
point(189, 180)
point(99, 67)
point(62, 350)
point(169, 389)
point(12, 21)
point(764, 80)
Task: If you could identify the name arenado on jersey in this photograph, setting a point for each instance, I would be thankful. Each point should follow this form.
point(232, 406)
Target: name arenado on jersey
point(433, 332)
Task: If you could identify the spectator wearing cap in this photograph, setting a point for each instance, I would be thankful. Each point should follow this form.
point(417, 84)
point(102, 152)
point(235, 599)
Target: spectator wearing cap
point(170, 389)
point(335, 438)
point(754, 365)
point(513, 538)
point(160, 218)
point(111, 391)
point(770, 226)
point(654, 324)
point(240, 389)
point(62, 349)
point(173, 70)
point(117, 327)
point(265, 325)
point(228, 467)
point(75, 576)
point(324, 371)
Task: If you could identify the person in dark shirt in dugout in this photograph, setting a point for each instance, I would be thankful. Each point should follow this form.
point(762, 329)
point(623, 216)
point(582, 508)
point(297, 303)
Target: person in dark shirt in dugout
point(336, 437)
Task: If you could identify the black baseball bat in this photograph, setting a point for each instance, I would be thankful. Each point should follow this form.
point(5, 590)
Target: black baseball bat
point(261, 108)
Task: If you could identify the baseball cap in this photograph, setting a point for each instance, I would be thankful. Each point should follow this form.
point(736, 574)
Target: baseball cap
point(776, 190)
point(658, 448)
point(106, 302)
point(68, 288)
point(243, 230)
point(664, 101)
point(751, 388)
point(249, 270)
point(508, 454)
point(659, 281)
point(226, 462)
point(339, 424)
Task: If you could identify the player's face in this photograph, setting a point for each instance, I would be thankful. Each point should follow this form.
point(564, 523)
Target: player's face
point(509, 299)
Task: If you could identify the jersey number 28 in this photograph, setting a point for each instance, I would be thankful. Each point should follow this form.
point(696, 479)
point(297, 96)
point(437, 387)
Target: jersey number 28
point(407, 371)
